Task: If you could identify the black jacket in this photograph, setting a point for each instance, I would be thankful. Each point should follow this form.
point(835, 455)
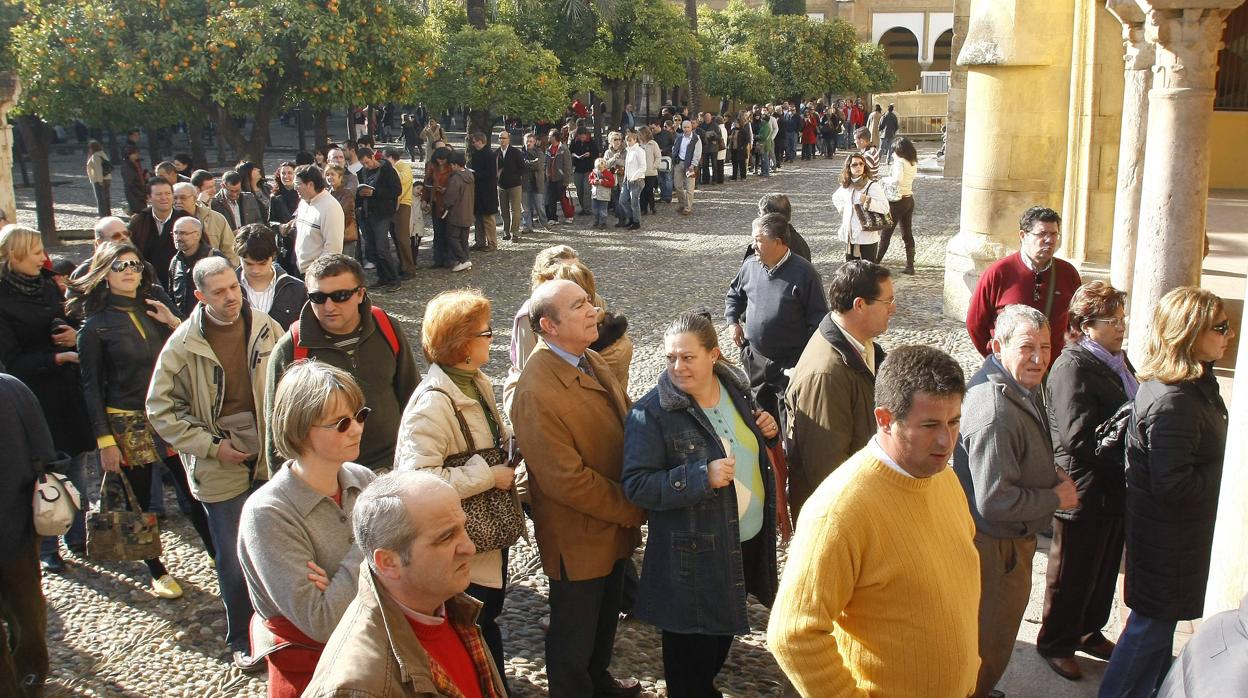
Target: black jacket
point(484, 166)
point(27, 443)
point(510, 166)
point(116, 361)
point(282, 205)
point(386, 190)
point(155, 242)
point(27, 352)
point(1083, 394)
point(589, 149)
point(288, 298)
point(1175, 446)
point(181, 283)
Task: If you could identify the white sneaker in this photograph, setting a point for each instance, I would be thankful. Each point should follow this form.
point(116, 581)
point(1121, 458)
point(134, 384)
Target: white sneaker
point(462, 266)
point(370, 265)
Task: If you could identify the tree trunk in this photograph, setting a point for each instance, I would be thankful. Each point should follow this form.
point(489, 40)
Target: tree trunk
point(153, 147)
point(195, 133)
point(693, 70)
point(251, 148)
point(320, 129)
point(476, 13)
point(480, 121)
point(617, 101)
point(35, 136)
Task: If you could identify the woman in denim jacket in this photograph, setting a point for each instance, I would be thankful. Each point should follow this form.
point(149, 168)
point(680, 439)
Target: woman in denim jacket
point(695, 457)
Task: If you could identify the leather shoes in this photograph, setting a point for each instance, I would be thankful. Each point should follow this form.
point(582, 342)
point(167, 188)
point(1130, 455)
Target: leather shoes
point(619, 688)
point(1065, 667)
point(1097, 646)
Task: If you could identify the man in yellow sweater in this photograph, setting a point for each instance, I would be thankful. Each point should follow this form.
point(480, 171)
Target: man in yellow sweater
point(880, 596)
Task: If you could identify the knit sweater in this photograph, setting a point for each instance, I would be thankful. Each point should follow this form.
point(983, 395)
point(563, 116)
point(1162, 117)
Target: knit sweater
point(785, 305)
point(880, 596)
point(1008, 281)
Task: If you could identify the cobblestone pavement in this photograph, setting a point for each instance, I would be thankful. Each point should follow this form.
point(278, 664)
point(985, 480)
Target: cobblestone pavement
point(110, 636)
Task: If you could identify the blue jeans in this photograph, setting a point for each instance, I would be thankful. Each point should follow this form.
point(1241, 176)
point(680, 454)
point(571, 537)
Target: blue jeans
point(76, 536)
point(534, 213)
point(223, 518)
point(665, 186)
point(629, 207)
point(886, 150)
point(600, 211)
point(441, 250)
point(376, 236)
point(790, 146)
point(1141, 659)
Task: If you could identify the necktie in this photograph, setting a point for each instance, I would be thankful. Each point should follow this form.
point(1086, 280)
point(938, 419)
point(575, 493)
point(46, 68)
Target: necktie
point(583, 364)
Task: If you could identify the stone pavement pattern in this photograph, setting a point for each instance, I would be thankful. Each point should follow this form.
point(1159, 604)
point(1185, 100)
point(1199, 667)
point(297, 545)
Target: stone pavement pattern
point(110, 637)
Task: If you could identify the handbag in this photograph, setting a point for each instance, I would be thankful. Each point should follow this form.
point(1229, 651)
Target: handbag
point(135, 438)
point(122, 535)
point(495, 520)
point(56, 503)
point(870, 220)
point(892, 189)
point(665, 164)
point(350, 232)
point(568, 211)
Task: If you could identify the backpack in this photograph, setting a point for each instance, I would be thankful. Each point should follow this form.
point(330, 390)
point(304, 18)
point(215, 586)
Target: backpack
point(106, 166)
point(379, 316)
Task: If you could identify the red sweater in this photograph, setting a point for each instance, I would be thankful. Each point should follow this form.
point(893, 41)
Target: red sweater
point(447, 650)
point(1009, 281)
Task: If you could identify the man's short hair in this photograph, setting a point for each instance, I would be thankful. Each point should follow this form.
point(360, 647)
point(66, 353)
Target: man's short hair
point(303, 157)
point(198, 177)
point(166, 166)
point(191, 220)
point(306, 389)
point(209, 266)
point(311, 174)
point(774, 226)
point(183, 186)
point(542, 305)
point(102, 225)
point(856, 278)
point(776, 203)
point(255, 241)
point(363, 152)
point(1014, 317)
point(1038, 214)
point(380, 519)
point(456, 158)
point(231, 177)
point(158, 182)
point(333, 265)
point(863, 132)
point(910, 370)
point(393, 153)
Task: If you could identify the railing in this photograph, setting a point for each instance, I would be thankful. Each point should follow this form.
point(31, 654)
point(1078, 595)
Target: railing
point(922, 126)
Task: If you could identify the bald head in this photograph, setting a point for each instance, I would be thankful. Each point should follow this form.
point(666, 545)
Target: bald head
point(564, 315)
point(111, 229)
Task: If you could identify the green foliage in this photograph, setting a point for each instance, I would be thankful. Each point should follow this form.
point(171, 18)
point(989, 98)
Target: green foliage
point(644, 37)
point(877, 72)
point(479, 69)
point(735, 75)
point(806, 57)
point(787, 7)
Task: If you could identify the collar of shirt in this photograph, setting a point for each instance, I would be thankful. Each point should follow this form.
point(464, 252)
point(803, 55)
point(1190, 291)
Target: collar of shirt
point(771, 271)
point(438, 617)
point(566, 356)
point(248, 287)
point(305, 499)
point(160, 222)
point(1032, 265)
point(867, 351)
point(878, 451)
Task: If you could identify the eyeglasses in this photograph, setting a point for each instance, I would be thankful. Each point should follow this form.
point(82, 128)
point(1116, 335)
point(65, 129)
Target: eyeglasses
point(120, 265)
point(1222, 328)
point(885, 301)
point(342, 296)
point(1119, 322)
point(856, 164)
point(342, 425)
point(489, 332)
point(185, 233)
point(1044, 236)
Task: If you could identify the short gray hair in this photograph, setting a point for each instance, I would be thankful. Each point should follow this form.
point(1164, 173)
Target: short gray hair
point(542, 303)
point(380, 520)
point(102, 225)
point(1014, 317)
point(209, 266)
point(183, 186)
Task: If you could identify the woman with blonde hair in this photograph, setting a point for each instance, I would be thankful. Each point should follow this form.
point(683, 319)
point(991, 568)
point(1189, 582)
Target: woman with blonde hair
point(100, 175)
point(1176, 442)
point(453, 412)
point(858, 190)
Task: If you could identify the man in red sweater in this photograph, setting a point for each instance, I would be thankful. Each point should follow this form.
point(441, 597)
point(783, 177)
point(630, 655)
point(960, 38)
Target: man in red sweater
point(1032, 276)
point(410, 630)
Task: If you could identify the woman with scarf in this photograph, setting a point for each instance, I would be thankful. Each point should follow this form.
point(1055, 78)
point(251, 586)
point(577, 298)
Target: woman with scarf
point(437, 176)
point(858, 190)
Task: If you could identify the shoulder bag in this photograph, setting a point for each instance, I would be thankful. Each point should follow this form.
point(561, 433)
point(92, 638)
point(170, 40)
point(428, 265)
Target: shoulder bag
point(122, 535)
point(495, 520)
point(56, 502)
point(870, 220)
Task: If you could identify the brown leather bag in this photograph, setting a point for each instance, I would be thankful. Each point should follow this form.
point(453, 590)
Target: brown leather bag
point(122, 535)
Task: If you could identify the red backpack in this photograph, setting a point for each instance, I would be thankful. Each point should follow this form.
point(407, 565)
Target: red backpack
point(379, 316)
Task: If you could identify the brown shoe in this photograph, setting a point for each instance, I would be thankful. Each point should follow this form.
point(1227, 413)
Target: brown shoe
point(1065, 667)
point(619, 688)
point(1097, 646)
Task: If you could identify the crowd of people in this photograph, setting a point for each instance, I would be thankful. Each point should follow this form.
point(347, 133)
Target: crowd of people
point(359, 514)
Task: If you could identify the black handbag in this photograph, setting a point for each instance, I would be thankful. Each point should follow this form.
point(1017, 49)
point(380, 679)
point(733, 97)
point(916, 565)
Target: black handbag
point(495, 520)
point(122, 535)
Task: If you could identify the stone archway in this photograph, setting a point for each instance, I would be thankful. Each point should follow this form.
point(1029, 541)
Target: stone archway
point(901, 47)
point(942, 52)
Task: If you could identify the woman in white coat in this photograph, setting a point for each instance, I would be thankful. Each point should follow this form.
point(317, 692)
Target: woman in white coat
point(858, 189)
point(455, 336)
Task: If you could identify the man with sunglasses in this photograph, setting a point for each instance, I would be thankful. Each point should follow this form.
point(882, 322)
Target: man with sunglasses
point(205, 395)
point(340, 326)
point(1032, 276)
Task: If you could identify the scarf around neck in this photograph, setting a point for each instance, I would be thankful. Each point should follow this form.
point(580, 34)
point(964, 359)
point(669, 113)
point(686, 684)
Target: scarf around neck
point(23, 284)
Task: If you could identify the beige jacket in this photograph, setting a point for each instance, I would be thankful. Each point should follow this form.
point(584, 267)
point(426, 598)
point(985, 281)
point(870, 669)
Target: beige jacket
point(429, 433)
point(218, 232)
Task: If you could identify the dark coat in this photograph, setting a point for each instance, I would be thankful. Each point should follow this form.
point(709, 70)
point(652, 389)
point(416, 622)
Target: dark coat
point(587, 149)
point(460, 193)
point(181, 283)
point(282, 205)
point(386, 190)
point(134, 181)
point(27, 352)
point(288, 298)
point(27, 444)
point(511, 167)
point(485, 177)
point(693, 579)
point(155, 243)
point(248, 210)
point(1083, 394)
point(1175, 446)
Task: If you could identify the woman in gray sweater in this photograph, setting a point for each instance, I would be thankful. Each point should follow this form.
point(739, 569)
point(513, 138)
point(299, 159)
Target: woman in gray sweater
point(295, 543)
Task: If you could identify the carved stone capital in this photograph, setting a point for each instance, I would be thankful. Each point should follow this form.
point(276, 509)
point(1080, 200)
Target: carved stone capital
point(1188, 40)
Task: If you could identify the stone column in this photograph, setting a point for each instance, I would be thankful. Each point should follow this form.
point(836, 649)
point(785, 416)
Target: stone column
point(955, 120)
point(1018, 54)
point(1138, 72)
point(1170, 245)
point(10, 91)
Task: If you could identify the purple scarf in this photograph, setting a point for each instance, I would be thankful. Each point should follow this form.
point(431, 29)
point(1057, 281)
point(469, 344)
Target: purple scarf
point(1117, 362)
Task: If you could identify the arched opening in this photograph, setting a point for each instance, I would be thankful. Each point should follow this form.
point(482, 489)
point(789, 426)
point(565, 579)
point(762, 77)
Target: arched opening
point(901, 47)
point(942, 52)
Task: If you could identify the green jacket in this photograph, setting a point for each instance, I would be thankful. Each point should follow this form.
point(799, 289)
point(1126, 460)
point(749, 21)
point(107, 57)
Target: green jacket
point(386, 379)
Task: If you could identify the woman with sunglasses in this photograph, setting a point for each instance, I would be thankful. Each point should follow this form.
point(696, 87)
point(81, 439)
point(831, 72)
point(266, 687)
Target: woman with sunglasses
point(456, 336)
point(1176, 441)
point(128, 319)
point(858, 189)
point(295, 544)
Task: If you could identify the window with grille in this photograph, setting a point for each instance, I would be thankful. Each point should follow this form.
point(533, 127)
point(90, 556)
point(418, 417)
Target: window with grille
point(1232, 84)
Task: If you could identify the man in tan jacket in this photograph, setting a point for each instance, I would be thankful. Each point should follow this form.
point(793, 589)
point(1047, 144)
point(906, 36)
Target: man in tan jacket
point(216, 229)
point(568, 415)
point(831, 393)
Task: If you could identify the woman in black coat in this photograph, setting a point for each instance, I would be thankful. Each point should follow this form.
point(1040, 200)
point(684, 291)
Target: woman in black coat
point(38, 346)
point(1088, 383)
point(1175, 446)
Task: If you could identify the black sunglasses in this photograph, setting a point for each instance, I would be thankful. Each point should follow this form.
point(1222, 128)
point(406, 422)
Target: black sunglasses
point(319, 297)
point(1222, 328)
point(120, 265)
point(342, 425)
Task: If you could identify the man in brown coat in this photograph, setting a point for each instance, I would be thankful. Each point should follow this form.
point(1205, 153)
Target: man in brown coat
point(569, 415)
point(831, 393)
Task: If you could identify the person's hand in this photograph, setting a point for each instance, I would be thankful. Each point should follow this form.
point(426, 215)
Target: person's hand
point(66, 357)
point(1067, 495)
point(738, 334)
point(720, 472)
point(365, 192)
point(229, 454)
point(110, 459)
point(504, 476)
point(766, 424)
point(162, 314)
point(65, 336)
point(317, 576)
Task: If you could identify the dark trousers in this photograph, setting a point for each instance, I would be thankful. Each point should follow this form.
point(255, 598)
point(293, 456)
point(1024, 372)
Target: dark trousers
point(194, 510)
point(223, 519)
point(717, 171)
point(691, 663)
point(867, 252)
point(902, 212)
point(492, 600)
point(1141, 660)
point(647, 193)
point(829, 146)
point(808, 151)
point(103, 198)
point(376, 236)
point(739, 156)
point(23, 645)
point(441, 244)
point(554, 198)
point(704, 173)
point(1082, 574)
point(583, 618)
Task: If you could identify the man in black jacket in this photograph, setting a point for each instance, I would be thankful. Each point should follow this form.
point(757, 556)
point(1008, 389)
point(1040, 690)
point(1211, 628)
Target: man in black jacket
point(376, 200)
point(485, 204)
point(188, 237)
point(584, 152)
point(511, 170)
point(151, 230)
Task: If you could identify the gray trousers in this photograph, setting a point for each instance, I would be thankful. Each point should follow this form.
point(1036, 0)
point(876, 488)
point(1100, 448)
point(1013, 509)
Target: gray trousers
point(584, 192)
point(509, 208)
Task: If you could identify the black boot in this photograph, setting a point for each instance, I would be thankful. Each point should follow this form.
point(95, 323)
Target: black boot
point(909, 260)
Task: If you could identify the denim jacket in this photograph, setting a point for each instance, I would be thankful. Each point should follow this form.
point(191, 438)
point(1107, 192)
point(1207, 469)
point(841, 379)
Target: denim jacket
point(693, 578)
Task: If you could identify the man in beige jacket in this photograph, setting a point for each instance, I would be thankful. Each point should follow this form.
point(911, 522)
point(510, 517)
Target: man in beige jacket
point(216, 229)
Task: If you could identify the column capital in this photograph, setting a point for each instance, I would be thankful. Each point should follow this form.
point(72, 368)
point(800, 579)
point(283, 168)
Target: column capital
point(1138, 52)
point(1188, 40)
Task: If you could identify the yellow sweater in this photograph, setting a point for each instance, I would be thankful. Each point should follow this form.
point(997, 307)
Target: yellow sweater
point(880, 596)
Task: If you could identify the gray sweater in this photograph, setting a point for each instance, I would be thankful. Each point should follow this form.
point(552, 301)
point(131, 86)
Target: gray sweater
point(785, 304)
point(1004, 457)
point(285, 524)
